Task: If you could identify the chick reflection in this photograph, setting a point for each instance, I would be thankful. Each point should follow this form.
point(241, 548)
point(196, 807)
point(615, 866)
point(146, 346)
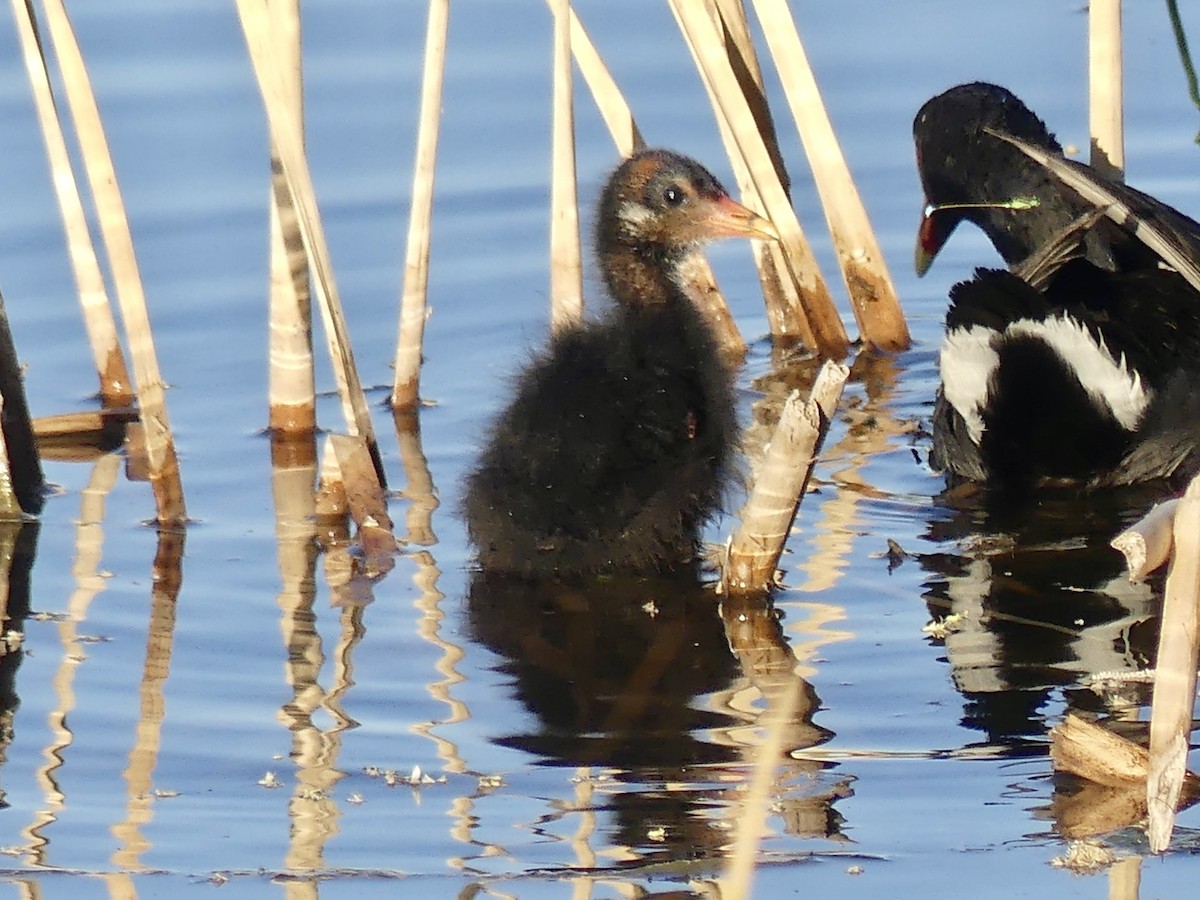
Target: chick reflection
point(1039, 602)
point(613, 671)
point(610, 669)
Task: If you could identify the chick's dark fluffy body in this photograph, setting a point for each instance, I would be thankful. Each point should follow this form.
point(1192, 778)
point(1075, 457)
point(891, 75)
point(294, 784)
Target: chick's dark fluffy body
point(618, 443)
point(629, 475)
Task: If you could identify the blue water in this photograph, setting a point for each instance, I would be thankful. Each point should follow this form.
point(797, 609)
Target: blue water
point(921, 762)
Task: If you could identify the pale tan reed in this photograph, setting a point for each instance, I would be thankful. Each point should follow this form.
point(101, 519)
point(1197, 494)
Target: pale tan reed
point(872, 294)
point(1175, 673)
point(116, 388)
point(414, 310)
point(566, 258)
point(829, 335)
point(753, 551)
point(286, 136)
point(1106, 104)
point(114, 229)
point(291, 382)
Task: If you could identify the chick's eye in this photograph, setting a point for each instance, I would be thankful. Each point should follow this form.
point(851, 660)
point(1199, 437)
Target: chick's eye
point(673, 196)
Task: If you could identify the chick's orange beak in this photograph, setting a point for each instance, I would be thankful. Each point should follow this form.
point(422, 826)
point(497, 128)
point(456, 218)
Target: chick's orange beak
point(728, 218)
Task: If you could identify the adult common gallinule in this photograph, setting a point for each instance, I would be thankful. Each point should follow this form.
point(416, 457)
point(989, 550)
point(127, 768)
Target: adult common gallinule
point(1080, 363)
point(618, 441)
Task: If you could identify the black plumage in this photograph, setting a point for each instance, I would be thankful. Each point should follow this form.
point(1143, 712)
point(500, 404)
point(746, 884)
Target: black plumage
point(1080, 363)
point(619, 439)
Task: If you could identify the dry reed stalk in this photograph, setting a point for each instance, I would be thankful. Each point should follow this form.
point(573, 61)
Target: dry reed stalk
point(20, 448)
point(1106, 110)
point(81, 437)
point(702, 286)
point(1146, 544)
point(285, 134)
point(331, 503)
point(115, 385)
point(1092, 752)
point(785, 314)
point(1175, 673)
point(1116, 207)
point(118, 243)
point(366, 498)
point(1115, 771)
point(291, 386)
point(613, 107)
point(413, 302)
point(566, 261)
point(730, 15)
point(829, 335)
point(752, 554)
point(872, 294)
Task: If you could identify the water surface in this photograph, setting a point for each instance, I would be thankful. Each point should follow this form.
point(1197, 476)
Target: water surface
point(576, 743)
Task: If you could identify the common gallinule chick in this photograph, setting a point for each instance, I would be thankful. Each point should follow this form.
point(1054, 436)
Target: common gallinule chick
point(619, 438)
point(1081, 363)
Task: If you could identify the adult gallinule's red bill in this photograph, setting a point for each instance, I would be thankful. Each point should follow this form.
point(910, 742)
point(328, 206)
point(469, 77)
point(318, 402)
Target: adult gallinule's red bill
point(619, 438)
point(1081, 363)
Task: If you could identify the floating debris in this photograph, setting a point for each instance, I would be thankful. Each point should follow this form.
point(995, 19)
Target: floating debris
point(940, 628)
point(270, 781)
point(896, 555)
point(166, 795)
point(1084, 857)
point(658, 833)
point(356, 798)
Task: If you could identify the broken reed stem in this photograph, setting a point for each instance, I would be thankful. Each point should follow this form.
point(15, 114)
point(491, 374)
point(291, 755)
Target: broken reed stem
point(752, 554)
point(829, 335)
point(285, 133)
point(872, 294)
point(1147, 543)
point(115, 384)
point(414, 310)
point(114, 229)
point(566, 261)
point(1175, 673)
point(1106, 109)
point(1092, 752)
point(291, 385)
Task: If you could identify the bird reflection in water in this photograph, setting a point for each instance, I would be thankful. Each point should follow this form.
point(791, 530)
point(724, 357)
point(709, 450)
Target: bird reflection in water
point(636, 676)
point(1043, 604)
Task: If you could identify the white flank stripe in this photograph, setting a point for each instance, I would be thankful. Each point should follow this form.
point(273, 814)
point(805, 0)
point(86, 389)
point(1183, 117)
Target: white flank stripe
point(968, 360)
point(1109, 382)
